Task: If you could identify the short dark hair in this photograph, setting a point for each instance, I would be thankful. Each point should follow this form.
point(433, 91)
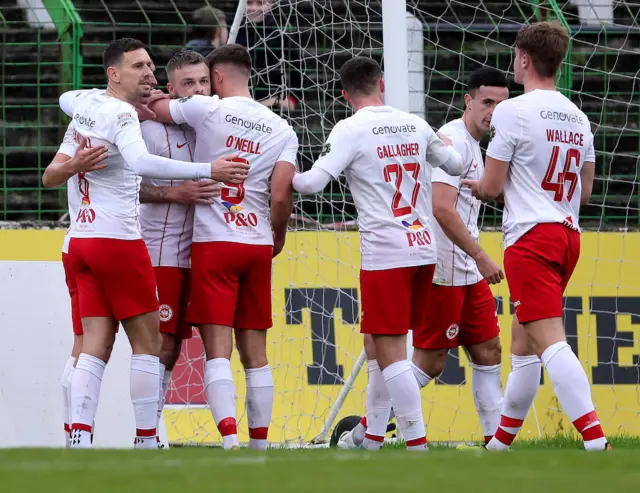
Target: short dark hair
point(113, 53)
point(207, 20)
point(233, 54)
point(360, 75)
point(183, 58)
point(546, 43)
point(485, 76)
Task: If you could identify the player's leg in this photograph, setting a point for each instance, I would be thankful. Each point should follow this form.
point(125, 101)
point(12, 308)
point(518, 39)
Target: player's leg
point(387, 299)
point(128, 280)
point(99, 335)
point(252, 320)
point(556, 251)
point(479, 335)
point(214, 287)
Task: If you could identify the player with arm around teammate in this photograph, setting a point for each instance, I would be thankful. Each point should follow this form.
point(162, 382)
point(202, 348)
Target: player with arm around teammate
point(236, 237)
point(167, 210)
point(541, 157)
point(386, 155)
point(111, 262)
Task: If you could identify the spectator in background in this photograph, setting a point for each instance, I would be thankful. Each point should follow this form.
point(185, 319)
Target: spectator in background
point(209, 30)
point(270, 51)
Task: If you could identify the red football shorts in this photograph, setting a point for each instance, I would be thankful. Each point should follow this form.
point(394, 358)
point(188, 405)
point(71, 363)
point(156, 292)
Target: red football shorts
point(72, 284)
point(115, 277)
point(538, 268)
point(459, 316)
point(231, 285)
point(395, 300)
point(173, 292)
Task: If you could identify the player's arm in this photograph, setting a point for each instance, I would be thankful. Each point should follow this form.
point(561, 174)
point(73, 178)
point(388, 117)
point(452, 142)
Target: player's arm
point(445, 194)
point(71, 160)
point(336, 155)
point(505, 134)
point(188, 192)
point(442, 154)
point(282, 192)
point(191, 110)
point(587, 175)
point(67, 98)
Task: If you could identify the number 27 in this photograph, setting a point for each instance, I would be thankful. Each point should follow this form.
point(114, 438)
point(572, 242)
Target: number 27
point(395, 169)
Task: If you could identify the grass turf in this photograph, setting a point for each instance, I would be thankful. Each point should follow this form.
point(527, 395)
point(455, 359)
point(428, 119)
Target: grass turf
point(545, 465)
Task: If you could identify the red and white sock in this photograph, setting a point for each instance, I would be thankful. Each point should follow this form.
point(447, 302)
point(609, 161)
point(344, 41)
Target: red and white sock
point(421, 377)
point(85, 393)
point(221, 396)
point(487, 396)
point(259, 405)
point(378, 406)
point(165, 379)
point(572, 388)
point(405, 398)
point(66, 399)
point(145, 395)
point(519, 394)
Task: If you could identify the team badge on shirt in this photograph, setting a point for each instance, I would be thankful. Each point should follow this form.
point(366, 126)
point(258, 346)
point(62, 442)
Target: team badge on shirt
point(492, 133)
point(326, 149)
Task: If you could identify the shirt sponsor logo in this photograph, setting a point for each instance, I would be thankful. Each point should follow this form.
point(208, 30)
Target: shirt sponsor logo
point(561, 116)
point(248, 124)
point(394, 129)
point(87, 121)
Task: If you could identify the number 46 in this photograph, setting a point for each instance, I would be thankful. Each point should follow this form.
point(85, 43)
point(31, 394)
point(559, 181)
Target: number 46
point(565, 176)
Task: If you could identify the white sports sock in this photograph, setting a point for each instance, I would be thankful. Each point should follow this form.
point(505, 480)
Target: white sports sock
point(487, 395)
point(421, 377)
point(145, 395)
point(405, 398)
point(259, 405)
point(378, 406)
point(519, 394)
point(165, 378)
point(221, 396)
point(359, 431)
point(85, 393)
point(572, 388)
point(66, 399)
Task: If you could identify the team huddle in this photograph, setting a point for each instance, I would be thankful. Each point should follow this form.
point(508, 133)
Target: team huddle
point(176, 220)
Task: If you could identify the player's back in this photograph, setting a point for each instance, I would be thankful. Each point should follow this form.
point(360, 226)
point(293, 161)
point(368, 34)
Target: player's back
point(249, 130)
point(551, 140)
point(390, 181)
point(167, 228)
point(109, 207)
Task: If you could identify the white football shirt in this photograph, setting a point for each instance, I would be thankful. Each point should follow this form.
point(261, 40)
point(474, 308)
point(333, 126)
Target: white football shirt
point(243, 127)
point(547, 139)
point(455, 267)
point(386, 155)
point(167, 229)
point(74, 198)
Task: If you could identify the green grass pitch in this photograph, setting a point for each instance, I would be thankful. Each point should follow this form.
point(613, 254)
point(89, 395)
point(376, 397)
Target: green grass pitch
point(541, 466)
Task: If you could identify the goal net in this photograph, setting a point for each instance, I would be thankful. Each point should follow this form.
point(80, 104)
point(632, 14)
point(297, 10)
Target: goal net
point(315, 344)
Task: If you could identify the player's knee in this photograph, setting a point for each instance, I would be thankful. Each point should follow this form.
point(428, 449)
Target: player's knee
point(369, 346)
point(488, 353)
point(167, 349)
point(434, 367)
point(253, 359)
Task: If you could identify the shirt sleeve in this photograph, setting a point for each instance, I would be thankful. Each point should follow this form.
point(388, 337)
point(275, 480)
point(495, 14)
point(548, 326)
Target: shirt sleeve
point(67, 99)
point(68, 145)
point(125, 127)
point(193, 109)
point(290, 151)
point(338, 151)
point(147, 165)
point(590, 157)
point(441, 155)
point(505, 132)
point(459, 144)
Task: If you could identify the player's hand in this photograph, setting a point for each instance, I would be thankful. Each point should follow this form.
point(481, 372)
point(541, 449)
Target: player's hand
point(445, 139)
point(88, 158)
point(278, 244)
point(142, 108)
point(154, 96)
point(488, 268)
point(474, 186)
point(196, 192)
point(226, 169)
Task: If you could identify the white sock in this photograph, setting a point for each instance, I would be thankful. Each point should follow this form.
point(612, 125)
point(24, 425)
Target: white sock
point(165, 378)
point(487, 395)
point(405, 398)
point(85, 393)
point(221, 396)
point(378, 405)
point(572, 388)
point(359, 431)
point(519, 394)
point(66, 399)
point(421, 377)
point(145, 395)
point(259, 405)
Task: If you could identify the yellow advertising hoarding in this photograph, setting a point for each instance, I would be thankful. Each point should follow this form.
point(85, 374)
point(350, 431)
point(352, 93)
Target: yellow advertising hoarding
point(315, 341)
